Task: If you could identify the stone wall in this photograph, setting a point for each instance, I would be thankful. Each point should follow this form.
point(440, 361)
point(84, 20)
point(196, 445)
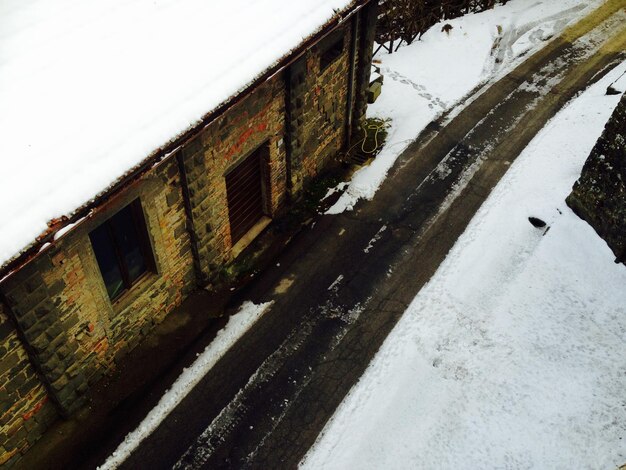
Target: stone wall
point(36, 306)
point(599, 195)
point(317, 108)
point(60, 305)
point(25, 408)
point(259, 119)
point(317, 99)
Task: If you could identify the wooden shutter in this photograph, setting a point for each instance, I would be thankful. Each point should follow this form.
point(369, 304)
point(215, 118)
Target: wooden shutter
point(244, 191)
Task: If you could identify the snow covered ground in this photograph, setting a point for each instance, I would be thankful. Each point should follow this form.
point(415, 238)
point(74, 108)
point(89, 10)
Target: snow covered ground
point(512, 356)
point(237, 325)
point(420, 86)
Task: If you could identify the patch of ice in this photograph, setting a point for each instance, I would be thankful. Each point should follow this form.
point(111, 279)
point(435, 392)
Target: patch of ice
point(379, 234)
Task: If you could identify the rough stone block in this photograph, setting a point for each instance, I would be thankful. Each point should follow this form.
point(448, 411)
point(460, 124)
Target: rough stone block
point(172, 169)
point(9, 362)
point(26, 387)
point(33, 283)
point(55, 374)
point(59, 383)
point(172, 198)
point(70, 322)
point(43, 310)
point(34, 331)
point(66, 397)
point(27, 320)
point(63, 352)
point(51, 364)
point(40, 343)
point(53, 332)
point(56, 288)
point(16, 381)
point(73, 371)
point(599, 195)
point(29, 302)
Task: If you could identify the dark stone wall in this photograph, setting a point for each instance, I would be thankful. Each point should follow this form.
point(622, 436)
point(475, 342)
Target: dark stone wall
point(60, 332)
point(320, 121)
point(599, 195)
point(259, 119)
point(35, 304)
point(25, 408)
point(317, 110)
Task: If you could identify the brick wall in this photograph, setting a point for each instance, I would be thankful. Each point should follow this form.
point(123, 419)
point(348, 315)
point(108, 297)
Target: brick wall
point(36, 304)
point(60, 304)
point(257, 120)
point(599, 195)
point(317, 105)
point(25, 410)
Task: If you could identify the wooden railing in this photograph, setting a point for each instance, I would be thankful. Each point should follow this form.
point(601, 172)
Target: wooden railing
point(406, 20)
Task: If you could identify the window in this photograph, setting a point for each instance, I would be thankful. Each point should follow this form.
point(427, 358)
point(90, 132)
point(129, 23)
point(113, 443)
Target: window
point(122, 249)
point(245, 193)
point(331, 51)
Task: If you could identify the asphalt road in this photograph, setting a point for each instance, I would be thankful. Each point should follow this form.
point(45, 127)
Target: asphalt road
point(343, 283)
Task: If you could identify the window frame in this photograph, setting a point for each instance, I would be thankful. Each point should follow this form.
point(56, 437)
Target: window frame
point(263, 155)
point(141, 230)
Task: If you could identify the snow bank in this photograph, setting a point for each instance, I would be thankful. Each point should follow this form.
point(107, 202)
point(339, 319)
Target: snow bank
point(237, 325)
point(513, 355)
point(432, 75)
point(89, 89)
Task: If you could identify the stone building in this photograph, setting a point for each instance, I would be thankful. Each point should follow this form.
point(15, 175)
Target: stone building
point(82, 295)
point(599, 195)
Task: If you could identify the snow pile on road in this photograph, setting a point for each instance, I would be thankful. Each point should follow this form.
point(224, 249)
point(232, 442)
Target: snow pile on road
point(432, 75)
point(237, 325)
point(512, 356)
point(89, 89)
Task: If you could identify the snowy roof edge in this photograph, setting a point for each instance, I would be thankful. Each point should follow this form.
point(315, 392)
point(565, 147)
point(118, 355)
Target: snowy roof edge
point(59, 228)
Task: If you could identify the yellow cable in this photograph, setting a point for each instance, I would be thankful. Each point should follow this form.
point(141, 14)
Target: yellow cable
point(375, 127)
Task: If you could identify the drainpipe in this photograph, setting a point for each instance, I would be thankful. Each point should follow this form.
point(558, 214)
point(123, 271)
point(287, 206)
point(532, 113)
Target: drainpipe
point(351, 78)
point(201, 279)
point(289, 132)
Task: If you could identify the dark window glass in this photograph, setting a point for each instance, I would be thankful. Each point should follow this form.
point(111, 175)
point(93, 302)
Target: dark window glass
point(125, 229)
point(331, 52)
point(107, 260)
point(121, 248)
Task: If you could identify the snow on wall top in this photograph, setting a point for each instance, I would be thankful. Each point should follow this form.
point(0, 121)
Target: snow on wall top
point(89, 89)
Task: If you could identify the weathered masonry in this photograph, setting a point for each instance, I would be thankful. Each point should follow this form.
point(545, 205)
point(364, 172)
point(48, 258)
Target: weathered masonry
point(599, 195)
point(93, 286)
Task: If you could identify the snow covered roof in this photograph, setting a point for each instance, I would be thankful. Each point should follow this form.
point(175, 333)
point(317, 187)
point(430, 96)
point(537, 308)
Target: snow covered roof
point(88, 90)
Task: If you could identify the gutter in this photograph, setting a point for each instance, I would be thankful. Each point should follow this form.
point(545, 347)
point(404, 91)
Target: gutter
point(58, 228)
